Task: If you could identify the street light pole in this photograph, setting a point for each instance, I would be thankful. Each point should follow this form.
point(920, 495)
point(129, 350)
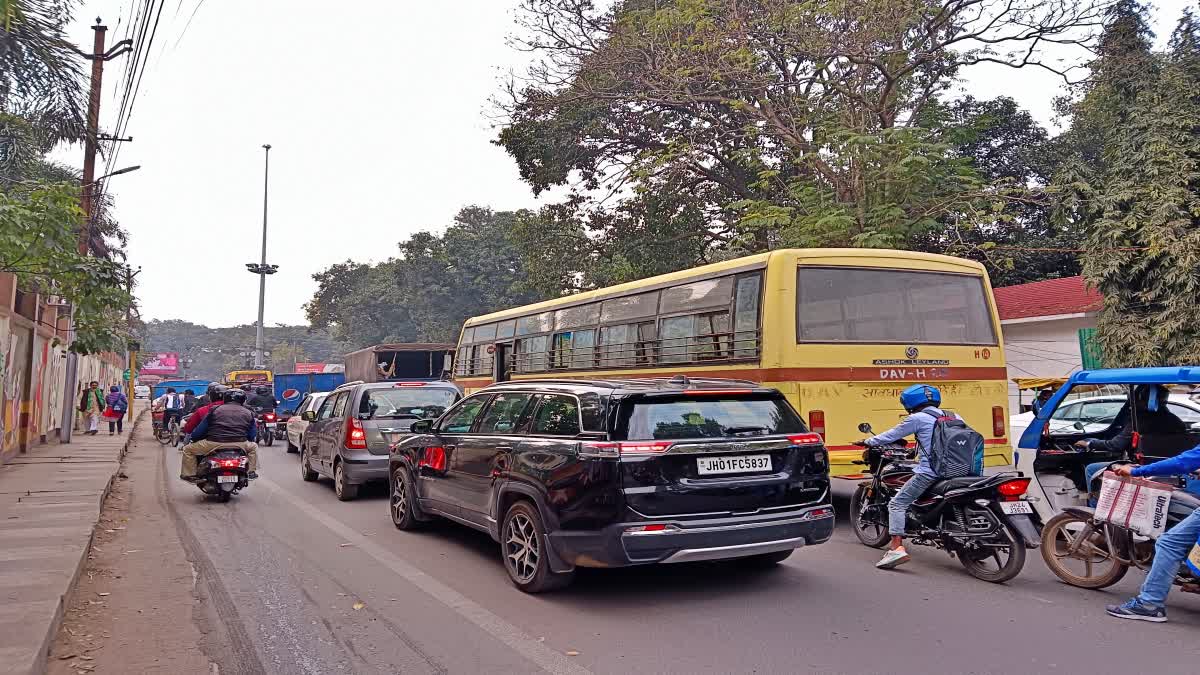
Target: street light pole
point(262, 274)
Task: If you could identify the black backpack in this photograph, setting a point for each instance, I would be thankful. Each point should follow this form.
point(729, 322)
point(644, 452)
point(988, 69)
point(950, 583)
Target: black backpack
point(956, 449)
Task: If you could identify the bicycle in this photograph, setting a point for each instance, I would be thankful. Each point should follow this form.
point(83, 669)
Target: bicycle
point(168, 434)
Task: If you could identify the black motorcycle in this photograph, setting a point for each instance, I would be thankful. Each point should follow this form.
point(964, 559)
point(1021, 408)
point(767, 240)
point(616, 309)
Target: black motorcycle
point(1088, 553)
point(267, 425)
point(223, 472)
point(981, 520)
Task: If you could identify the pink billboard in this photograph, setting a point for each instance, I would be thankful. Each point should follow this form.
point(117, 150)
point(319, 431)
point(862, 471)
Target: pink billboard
point(162, 363)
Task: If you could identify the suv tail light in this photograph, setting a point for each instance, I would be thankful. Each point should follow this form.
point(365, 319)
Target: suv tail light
point(816, 422)
point(609, 449)
point(356, 436)
point(998, 426)
point(805, 439)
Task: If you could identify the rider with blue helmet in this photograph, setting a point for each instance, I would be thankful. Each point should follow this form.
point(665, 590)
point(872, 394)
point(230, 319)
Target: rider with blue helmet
point(922, 402)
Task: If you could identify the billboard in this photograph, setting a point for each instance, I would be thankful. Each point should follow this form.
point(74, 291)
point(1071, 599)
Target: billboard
point(306, 368)
point(161, 363)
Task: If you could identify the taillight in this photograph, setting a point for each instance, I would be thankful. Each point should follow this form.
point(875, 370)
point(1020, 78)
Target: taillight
point(716, 392)
point(1013, 488)
point(235, 463)
point(610, 450)
point(269, 417)
point(409, 384)
point(998, 421)
point(805, 439)
point(816, 422)
point(657, 528)
point(356, 437)
point(1137, 437)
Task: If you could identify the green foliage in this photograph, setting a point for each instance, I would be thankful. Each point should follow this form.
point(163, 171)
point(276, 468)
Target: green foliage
point(38, 243)
point(427, 292)
point(1133, 187)
point(40, 74)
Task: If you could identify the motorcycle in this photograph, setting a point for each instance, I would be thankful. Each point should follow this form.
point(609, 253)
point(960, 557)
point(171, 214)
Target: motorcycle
point(223, 472)
point(1088, 553)
point(267, 424)
point(981, 520)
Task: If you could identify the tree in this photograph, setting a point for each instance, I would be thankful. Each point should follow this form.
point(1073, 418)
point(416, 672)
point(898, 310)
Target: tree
point(798, 123)
point(39, 68)
point(38, 243)
point(1142, 208)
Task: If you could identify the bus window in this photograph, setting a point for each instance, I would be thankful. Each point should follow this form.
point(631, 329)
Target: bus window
point(846, 304)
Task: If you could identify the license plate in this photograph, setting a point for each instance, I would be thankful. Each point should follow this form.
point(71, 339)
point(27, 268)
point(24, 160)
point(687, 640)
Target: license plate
point(739, 464)
point(227, 478)
point(269, 425)
point(1017, 508)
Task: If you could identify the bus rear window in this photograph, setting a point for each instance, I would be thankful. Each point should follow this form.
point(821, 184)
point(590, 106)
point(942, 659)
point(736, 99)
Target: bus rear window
point(843, 304)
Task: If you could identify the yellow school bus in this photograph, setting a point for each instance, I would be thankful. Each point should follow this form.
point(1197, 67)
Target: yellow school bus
point(239, 377)
point(839, 331)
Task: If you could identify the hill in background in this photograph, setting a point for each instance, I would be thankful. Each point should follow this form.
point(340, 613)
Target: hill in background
point(209, 353)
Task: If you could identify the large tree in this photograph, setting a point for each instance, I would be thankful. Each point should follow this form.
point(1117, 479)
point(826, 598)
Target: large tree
point(1136, 191)
point(788, 123)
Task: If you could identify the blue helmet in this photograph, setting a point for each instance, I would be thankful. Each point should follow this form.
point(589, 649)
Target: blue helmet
point(918, 395)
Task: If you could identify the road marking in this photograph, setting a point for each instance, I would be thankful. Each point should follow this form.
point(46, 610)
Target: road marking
point(547, 659)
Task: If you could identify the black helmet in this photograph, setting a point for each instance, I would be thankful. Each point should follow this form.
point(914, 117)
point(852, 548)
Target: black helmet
point(235, 396)
point(214, 391)
point(264, 390)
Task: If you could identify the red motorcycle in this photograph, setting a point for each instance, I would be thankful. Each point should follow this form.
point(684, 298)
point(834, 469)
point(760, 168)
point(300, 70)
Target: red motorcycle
point(267, 424)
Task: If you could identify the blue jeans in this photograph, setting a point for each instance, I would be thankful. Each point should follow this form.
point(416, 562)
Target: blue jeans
point(911, 492)
point(1169, 553)
point(1091, 471)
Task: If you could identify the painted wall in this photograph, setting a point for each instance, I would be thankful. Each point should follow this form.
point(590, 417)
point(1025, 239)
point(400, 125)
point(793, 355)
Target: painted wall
point(1042, 349)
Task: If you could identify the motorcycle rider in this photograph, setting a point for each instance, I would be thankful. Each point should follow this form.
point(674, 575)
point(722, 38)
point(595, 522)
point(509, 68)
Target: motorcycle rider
point(922, 402)
point(263, 398)
point(1170, 549)
point(228, 424)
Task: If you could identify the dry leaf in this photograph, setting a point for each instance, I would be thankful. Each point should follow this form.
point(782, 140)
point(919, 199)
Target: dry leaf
point(136, 550)
point(103, 594)
point(572, 653)
point(358, 605)
point(64, 657)
point(345, 545)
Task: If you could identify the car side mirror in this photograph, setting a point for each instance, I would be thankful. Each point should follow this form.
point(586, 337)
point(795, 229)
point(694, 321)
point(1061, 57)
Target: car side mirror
point(865, 428)
point(309, 416)
point(1079, 426)
point(421, 427)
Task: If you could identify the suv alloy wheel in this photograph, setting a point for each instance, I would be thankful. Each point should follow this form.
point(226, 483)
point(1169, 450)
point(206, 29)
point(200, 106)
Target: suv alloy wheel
point(403, 500)
point(523, 544)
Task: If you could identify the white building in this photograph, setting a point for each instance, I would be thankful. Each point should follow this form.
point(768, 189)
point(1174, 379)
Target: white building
point(1048, 327)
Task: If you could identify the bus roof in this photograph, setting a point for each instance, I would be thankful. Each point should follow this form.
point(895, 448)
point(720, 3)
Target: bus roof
point(747, 263)
point(1160, 375)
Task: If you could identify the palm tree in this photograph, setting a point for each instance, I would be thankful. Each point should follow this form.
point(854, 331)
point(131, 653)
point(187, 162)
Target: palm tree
point(40, 74)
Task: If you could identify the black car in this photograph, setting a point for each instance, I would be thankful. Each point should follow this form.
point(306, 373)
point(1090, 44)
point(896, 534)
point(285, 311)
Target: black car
point(598, 473)
point(348, 437)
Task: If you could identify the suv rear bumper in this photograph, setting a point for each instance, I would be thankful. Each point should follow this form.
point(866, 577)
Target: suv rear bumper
point(690, 540)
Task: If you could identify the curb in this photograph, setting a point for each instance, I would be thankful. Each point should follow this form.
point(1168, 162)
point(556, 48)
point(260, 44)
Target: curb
point(38, 667)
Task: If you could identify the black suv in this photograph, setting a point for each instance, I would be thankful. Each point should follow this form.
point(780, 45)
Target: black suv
point(348, 437)
point(603, 473)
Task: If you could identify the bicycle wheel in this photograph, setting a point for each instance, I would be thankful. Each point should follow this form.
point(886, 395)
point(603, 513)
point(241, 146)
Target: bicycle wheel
point(174, 434)
point(163, 434)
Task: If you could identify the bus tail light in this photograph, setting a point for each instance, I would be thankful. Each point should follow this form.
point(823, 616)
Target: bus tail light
point(998, 421)
point(816, 422)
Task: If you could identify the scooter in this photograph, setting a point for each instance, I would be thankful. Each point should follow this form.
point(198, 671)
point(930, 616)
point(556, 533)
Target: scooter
point(981, 520)
point(1088, 553)
point(223, 472)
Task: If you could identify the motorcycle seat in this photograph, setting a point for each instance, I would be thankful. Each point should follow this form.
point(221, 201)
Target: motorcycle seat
point(943, 486)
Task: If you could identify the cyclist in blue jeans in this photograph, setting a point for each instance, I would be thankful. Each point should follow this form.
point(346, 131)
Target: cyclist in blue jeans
point(1171, 548)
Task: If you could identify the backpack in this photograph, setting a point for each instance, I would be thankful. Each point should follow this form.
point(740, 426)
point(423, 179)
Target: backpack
point(956, 449)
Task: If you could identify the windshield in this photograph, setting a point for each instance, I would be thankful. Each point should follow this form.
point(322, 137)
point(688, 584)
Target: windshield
point(411, 402)
point(711, 417)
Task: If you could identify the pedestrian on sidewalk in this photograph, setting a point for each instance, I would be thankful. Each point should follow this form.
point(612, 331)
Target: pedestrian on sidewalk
point(91, 405)
point(115, 412)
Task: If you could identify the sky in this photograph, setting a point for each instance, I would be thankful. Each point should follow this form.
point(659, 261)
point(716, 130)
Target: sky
point(377, 120)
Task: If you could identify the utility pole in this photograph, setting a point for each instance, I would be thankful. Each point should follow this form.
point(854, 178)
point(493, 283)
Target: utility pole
point(262, 269)
point(98, 56)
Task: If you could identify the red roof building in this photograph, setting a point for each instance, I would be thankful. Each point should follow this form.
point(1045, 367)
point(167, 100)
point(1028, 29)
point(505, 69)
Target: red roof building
point(1066, 297)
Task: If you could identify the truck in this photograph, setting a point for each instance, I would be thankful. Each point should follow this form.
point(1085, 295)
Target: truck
point(400, 361)
point(291, 388)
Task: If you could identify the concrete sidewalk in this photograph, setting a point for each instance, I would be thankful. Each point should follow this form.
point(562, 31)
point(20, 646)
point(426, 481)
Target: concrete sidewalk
point(50, 501)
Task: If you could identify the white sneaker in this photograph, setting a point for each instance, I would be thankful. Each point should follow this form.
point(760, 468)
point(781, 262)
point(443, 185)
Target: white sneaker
point(893, 558)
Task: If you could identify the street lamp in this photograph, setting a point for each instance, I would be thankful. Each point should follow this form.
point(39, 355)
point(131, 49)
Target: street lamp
point(118, 172)
point(262, 269)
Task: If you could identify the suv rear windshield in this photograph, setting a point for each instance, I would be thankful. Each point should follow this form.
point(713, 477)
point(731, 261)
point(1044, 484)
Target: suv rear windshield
point(710, 417)
point(402, 402)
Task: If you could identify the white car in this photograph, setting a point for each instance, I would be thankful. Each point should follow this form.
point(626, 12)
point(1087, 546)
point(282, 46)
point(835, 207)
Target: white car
point(141, 391)
point(296, 424)
point(1096, 413)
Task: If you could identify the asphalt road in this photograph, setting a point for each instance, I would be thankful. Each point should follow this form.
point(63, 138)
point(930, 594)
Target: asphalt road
point(285, 564)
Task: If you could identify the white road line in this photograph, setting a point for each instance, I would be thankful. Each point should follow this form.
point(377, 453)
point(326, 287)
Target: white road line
point(547, 659)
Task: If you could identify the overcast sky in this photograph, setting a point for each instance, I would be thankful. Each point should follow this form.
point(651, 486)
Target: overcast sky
point(374, 110)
